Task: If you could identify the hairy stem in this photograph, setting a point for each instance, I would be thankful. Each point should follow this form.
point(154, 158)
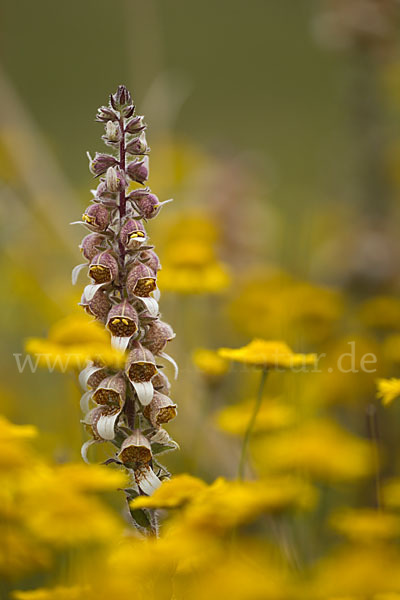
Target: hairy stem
point(122, 197)
point(250, 426)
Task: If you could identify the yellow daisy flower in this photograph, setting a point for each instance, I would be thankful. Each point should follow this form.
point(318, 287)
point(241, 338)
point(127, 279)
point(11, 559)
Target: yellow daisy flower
point(210, 363)
point(268, 355)
point(226, 504)
point(366, 525)
point(72, 342)
point(272, 415)
point(388, 390)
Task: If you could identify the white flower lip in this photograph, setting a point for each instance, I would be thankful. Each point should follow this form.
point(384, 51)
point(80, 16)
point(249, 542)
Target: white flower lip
point(144, 391)
point(172, 361)
point(105, 426)
point(147, 480)
point(120, 343)
point(75, 272)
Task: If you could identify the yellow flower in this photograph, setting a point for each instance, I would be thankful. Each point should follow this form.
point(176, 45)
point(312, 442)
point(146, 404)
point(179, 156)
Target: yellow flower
point(382, 312)
point(209, 279)
point(268, 355)
point(319, 447)
point(391, 493)
point(272, 415)
point(359, 571)
point(243, 576)
point(59, 510)
point(190, 264)
point(391, 348)
point(10, 432)
point(189, 252)
point(226, 504)
point(172, 493)
point(57, 593)
point(210, 363)
point(388, 390)
point(13, 445)
point(271, 304)
point(72, 342)
point(366, 525)
point(20, 554)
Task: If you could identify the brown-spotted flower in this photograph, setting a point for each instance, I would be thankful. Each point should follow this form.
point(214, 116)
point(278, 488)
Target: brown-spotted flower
point(160, 410)
point(111, 391)
point(133, 234)
point(140, 368)
point(122, 323)
point(92, 244)
point(99, 305)
point(103, 269)
point(96, 217)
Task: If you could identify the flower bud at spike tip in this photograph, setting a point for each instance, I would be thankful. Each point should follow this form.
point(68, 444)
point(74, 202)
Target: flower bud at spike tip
point(139, 170)
point(112, 180)
point(100, 163)
point(126, 399)
point(105, 114)
point(112, 131)
point(121, 99)
point(137, 146)
point(135, 125)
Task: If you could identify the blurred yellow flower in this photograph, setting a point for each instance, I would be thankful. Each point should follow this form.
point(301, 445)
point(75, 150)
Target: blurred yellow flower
point(59, 510)
point(172, 493)
point(72, 342)
point(273, 414)
point(208, 279)
point(268, 355)
point(391, 348)
point(10, 432)
point(20, 554)
point(391, 493)
point(13, 448)
point(381, 312)
point(190, 264)
point(190, 252)
point(226, 504)
point(357, 570)
point(243, 576)
point(271, 305)
point(388, 390)
point(57, 593)
point(210, 363)
point(318, 447)
point(366, 525)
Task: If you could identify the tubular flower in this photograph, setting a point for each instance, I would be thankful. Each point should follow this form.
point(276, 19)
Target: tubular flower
point(122, 405)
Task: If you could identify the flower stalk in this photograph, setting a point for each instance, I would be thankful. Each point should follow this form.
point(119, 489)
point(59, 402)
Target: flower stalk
point(250, 426)
point(126, 406)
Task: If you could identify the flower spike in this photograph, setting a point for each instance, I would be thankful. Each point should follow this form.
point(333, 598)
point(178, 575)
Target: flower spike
point(123, 295)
